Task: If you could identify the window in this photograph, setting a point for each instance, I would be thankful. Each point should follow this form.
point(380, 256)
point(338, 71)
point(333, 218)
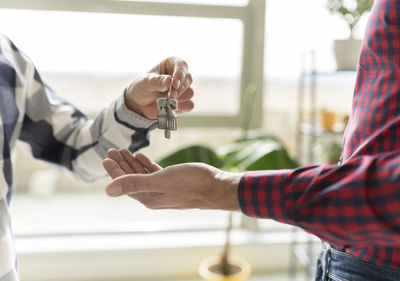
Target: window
point(78, 68)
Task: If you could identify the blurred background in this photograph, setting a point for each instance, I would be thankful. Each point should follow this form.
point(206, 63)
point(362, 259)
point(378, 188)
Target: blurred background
point(89, 50)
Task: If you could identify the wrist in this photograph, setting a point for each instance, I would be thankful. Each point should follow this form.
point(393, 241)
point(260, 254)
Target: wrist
point(225, 189)
point(131, 104)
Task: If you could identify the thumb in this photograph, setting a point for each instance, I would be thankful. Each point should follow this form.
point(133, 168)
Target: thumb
point(158, 82)
point(129, 184)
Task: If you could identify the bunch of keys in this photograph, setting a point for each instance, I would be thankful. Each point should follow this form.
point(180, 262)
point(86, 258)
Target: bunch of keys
point(166, 115)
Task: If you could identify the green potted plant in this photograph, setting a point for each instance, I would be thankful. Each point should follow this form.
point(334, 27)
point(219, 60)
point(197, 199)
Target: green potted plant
point(347, 51)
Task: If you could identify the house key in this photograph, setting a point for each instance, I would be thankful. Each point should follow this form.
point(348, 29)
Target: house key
point(166, 115)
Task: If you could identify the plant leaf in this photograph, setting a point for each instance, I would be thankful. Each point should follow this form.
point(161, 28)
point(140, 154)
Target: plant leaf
point(256, 155)
point(194, 153)
point(264, 159)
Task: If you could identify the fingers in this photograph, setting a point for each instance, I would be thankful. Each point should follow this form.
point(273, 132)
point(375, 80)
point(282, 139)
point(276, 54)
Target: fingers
point(185, 107)
point(158, 82)
point(148, 163)
point(186, 96)
point(130, 164)
point(120, 160)
point(178, 69)
point(161, 84)
point(118, 186)
point(147, 198)
point(130, 159)
point(185, 103)
point(112, 168)
point(184, 85)
point(121, 164)
point(131, 184)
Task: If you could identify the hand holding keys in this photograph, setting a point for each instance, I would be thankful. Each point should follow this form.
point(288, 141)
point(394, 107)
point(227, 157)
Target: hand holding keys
point(166, 115)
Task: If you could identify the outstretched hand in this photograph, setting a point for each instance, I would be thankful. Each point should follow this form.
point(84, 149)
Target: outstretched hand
point(184, 186)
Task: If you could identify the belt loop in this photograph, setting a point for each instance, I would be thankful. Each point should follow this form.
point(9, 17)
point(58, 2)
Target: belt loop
point(325, 261)
point(328, 263)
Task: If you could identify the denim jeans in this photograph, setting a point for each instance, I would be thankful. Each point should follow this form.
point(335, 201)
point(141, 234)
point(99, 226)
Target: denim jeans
point(334, 265)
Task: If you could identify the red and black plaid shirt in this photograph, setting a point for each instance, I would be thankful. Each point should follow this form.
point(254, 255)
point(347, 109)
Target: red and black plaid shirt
point(354, 206)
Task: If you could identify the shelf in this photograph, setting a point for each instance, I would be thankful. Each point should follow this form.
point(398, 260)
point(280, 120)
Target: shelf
point(308, 129)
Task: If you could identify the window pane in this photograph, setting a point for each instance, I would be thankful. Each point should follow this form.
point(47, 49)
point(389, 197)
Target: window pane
point(311, 27)
point(126, 45)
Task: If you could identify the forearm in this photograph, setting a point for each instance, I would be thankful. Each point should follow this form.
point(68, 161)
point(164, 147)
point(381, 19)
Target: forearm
point(59, 133)
point(355, 203)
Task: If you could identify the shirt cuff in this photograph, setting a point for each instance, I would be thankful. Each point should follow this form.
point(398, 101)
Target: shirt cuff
point(261, 194)
point(130, 118)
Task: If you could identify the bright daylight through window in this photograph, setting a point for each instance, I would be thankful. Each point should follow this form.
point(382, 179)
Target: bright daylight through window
point(78, 68)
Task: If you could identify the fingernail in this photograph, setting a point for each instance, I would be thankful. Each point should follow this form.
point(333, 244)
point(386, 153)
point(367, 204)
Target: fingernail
point(114, 190)
point(178, 84)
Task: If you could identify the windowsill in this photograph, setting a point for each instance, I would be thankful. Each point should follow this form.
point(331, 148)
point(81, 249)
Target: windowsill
point(85, 213)
point(146, 255)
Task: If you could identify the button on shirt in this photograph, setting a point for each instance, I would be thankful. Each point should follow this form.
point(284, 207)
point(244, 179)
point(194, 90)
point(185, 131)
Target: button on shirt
point(56, 132)
point(354, 206)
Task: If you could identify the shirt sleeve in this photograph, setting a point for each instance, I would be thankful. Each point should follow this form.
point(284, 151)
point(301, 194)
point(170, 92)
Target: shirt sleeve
point(60, 133)
point(356, 203)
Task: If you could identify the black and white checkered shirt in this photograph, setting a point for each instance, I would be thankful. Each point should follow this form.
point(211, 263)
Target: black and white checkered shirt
point(56, 131)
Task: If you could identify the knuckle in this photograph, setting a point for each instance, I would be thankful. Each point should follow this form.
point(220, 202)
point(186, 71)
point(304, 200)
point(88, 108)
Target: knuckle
point(180, 63)
point(153, 79)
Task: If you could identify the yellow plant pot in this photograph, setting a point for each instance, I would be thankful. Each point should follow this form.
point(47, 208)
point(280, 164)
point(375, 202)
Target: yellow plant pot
point(208, 274)
point(328, 120)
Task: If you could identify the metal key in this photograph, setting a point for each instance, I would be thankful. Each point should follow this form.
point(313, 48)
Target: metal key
point(166, 115)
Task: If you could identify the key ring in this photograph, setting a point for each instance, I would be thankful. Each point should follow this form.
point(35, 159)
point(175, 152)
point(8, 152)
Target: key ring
point(169, 92)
